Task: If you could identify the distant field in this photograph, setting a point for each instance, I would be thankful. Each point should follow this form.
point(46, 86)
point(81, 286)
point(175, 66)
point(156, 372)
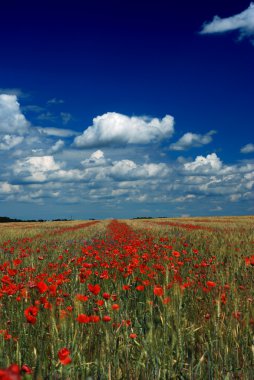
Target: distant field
point(128, 299)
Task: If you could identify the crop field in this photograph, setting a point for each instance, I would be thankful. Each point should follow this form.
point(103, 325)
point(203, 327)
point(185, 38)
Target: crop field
point(127, 299)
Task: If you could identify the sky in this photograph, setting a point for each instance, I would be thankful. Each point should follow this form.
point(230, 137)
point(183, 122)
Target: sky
point(119, 109)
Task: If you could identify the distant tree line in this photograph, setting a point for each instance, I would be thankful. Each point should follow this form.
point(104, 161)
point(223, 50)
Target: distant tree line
point(6, 219)
point(150, 217)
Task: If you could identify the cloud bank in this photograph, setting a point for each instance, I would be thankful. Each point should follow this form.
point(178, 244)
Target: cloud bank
point(45, 166)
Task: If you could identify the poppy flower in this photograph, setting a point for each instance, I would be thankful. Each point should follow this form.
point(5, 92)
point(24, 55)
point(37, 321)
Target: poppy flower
point(94, 318)
point(249, 260)
point(106, 296)
point(176, 254)
point(210, 284)
point(106, 318)
point(83, 318)
point(158, 291)
point(42, 287)
point(10, 373)
point(140, 288)
point(63, 356)
point(81, 297)
point(166, 300)
point(133, 336)
point(30, 314)
point(26, 369)
point(95, 289)
point(126, 287)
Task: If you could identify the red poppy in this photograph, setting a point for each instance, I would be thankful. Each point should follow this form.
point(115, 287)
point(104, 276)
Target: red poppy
point(210, 284)
point(42, 287)
point(249, 260)
point(83, 318)
point(94, 318)
point(176, 254)
point(126, 287)
point(95, 289)
point(106, 296)
point(30, 314)
point(10, 373)
point(158, 291)
point(166, 300)
point(140, 288)
point(63, 356)
point(82, 298)
point(26, 369)
point(106, 318)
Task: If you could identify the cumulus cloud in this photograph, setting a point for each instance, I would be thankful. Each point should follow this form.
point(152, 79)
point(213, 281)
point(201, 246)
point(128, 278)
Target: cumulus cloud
point(36, 169)
point(243, 22)
point(7, 188)
point(11, 118)
point(96, 159)
point(249, 148)
point(57, 146)
point(205, 165)
point(115, 128)
point(8, 141)
point(98, 155)
point(191, 140)
point(129, 170)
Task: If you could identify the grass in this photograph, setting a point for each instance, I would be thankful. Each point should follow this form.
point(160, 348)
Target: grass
point(178, 299)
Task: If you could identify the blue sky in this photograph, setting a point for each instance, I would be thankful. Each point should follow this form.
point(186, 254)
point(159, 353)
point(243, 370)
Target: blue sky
point(119, 109)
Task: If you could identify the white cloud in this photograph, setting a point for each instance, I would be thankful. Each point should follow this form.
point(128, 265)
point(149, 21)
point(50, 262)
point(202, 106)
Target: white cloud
point(244, 22)
point(235, 197)
point(97, 155)
point(185, 198)
point(129, 170)
point(57, 132)
point(96, 159)
point(57, 146)
point(8, 141)
point(190, 140)
point(6, 188)
point(11, 118)
point(114, 128)
point(249, 148)
point(205, 165)
point(37, 168)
